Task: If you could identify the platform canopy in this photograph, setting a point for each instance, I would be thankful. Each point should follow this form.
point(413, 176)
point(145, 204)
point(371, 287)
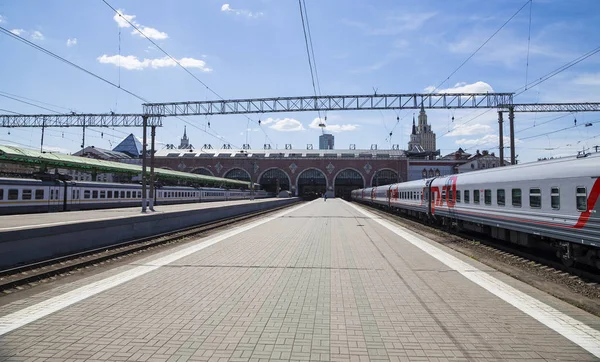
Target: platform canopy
point(26, 156)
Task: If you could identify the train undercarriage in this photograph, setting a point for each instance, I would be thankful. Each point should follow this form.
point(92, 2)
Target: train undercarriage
point(570, 254)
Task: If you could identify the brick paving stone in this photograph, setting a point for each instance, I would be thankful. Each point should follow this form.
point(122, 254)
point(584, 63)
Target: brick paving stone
point(312, 285)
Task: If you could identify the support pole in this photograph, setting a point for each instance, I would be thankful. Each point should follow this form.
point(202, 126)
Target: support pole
point(152, 137)
point(83, 137)
point(42, 142)
point(144, 196)
point(511, 119)
point(501, 137)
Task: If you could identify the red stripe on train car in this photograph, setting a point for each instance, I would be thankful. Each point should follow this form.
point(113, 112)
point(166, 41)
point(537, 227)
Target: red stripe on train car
point(591, 203)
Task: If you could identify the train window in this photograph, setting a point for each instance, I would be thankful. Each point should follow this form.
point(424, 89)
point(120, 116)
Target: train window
point(555, 198)
point(450, 196)
point(535, 198)
point(443, 195)
point(1, 194)
point(73, 195)
point(128, 194)
point(487, 197)
point(467, 197)
point(122, 194)
point(457, 195)
point(516, 197)
point(581, 198)
point(26, 195)
point(500, 197)
point(86, 194)
point(39, 194)
point(94, 194)
point(475, 196)
point(109, 194)
point(139, 194)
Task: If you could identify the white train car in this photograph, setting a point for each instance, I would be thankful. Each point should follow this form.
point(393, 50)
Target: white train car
point(548, 204)
point(21, 196)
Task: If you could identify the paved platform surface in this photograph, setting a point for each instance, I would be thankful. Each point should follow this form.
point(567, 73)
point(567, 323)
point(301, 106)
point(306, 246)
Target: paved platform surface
point(28, 221)
point(320, 282)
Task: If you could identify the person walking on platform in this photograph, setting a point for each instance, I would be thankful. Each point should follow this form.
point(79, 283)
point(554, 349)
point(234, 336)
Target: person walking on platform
point(325, 196)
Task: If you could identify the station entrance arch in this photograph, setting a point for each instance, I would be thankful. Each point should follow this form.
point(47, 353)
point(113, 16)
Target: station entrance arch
point(385, 177)
point(312, 183)
point(273, 178)
point(347, 180)
point(237, 174)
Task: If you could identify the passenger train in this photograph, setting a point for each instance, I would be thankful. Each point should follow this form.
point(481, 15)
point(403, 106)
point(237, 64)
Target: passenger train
point(20, 196)
point(546, 204)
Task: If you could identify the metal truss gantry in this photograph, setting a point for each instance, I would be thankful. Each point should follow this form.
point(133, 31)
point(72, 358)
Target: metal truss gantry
point(78, 120)
point(554, 107)
point(331, 103)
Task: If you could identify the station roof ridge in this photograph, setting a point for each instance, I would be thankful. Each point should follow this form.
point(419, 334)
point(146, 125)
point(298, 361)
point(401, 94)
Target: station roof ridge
point(295, 152)
point(57, 160)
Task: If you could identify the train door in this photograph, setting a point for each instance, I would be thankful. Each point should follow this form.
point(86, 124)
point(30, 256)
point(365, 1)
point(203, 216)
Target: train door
point(430, 196)
point(75, 194)
point(450, 187)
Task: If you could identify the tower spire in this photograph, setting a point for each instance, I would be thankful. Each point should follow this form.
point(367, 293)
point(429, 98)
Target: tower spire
point(184, 131)
point(414, 128)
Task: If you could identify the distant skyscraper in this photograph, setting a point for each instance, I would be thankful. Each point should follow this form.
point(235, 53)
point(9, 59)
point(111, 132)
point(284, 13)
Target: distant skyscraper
point(185, 142)
point(422, 138)
point(326, 142)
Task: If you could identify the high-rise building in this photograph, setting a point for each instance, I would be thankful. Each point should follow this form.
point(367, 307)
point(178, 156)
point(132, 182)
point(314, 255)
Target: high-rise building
point(422, 138)
point(185, 141)
point(326, 141)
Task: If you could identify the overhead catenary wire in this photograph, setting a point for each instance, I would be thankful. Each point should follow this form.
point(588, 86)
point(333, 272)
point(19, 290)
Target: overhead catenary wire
point(308, 53)
point(58, 57)
point(177, 62)
point(481, 46)
point(528, 43)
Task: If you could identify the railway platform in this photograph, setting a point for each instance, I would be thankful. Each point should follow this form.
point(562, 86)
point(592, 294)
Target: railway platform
point(317, 282)
point(34, 237)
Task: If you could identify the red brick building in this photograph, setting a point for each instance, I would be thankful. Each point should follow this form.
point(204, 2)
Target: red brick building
point(304, 172)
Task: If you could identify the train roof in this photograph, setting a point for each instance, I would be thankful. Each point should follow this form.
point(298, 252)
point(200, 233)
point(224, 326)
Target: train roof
point(567, 167)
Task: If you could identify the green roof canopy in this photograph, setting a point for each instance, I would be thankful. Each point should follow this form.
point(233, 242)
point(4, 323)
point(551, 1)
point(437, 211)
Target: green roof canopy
point(56, 160)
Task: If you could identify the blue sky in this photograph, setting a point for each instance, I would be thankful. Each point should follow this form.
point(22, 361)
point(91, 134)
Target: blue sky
point(256, 48)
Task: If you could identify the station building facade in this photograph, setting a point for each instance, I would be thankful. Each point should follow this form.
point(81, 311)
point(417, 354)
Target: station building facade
point(305, 172)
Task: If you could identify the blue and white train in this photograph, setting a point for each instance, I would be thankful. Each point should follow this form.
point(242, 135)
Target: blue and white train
point(21, 196)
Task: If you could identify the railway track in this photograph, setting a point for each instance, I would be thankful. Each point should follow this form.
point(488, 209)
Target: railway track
point(31, 274)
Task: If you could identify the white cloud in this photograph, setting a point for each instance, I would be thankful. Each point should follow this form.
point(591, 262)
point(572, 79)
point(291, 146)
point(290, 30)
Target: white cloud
point(488, 141)
point(463, 87)
point(151, 33)
point(71, 42)
point(588, 79)
point(122, 18)
point(36, 35)
point(284, 125)
point(228, 9)
point(2, 19)
point(131, 62)
point(123, 21)
point(18, 32)
point(469, 129)
point(336, 128)
point(401, 23)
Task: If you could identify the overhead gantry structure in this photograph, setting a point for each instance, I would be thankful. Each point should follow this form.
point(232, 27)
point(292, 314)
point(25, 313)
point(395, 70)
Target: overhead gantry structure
point(330, 103)
point(153, 113)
